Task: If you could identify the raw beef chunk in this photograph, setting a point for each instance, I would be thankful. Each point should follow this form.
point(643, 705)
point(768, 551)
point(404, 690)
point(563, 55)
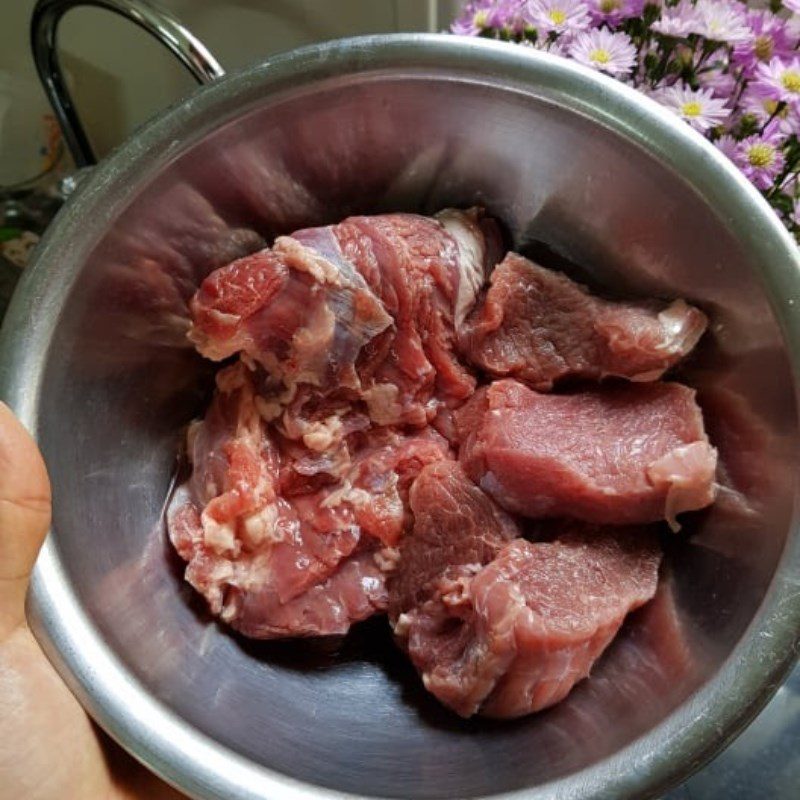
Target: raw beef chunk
point(515, 636)
point(538, 326)
point(325, 486)
point(622, 454)
point(427, 272)
point(276, 564)
point(369, 304)
point(456, 525)
point(299, 316)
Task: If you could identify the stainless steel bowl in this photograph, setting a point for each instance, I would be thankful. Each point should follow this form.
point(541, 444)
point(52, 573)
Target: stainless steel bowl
point(95, 362)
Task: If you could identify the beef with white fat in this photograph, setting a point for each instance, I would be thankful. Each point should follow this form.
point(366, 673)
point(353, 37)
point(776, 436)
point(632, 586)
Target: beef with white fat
point(275, 564)
point(369, 304)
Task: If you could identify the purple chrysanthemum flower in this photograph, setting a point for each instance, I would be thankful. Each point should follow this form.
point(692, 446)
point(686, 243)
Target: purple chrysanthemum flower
point(608, 52)
point(473, 19)
point(770, 38)
point(760, 157)
point(789, 184)
point(612, 12)
point(677, 21)
point(763, 108)
point(720, 21)
point(698, 107)
point(546, 45)
point(721, 82)
point(795, 215)
point(558, 16)
point(508, 15)
point(793, 26)
point(728, 145)
point(743, 63)
point(779, 80)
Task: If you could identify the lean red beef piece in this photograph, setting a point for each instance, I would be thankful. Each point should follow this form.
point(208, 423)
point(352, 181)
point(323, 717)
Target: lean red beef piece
point(623, 454)
point(273, 564)
point(455, 527)
point(514, 636)
point(538, 326)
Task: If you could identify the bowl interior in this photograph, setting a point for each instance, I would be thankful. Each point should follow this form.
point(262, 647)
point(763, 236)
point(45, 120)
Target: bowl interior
point(118, 382)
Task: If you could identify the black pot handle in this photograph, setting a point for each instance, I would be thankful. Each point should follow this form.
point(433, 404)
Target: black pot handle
point(192, 53)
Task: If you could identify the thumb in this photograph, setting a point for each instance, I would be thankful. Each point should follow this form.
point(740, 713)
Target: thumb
point(24, 516)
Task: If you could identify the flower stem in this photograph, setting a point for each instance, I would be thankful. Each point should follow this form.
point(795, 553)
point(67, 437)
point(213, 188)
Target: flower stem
point(778, 109)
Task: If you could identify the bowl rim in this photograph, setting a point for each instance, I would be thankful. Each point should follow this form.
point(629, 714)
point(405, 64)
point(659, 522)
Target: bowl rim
point(178, 752)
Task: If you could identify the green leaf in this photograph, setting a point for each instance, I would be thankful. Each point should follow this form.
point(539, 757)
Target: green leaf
point(9, 233)
point(652, 12)
point(782, 202)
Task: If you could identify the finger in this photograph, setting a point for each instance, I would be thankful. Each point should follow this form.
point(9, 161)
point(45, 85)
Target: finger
point(24, 516)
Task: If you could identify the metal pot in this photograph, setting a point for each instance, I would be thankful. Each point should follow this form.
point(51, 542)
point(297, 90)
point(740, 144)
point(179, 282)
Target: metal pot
point(579, 167)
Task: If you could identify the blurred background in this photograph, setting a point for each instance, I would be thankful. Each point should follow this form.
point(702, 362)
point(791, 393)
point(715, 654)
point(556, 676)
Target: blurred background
point(121, 76)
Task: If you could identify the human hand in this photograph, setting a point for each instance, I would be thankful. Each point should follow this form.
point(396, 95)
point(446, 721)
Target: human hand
point(49, 748)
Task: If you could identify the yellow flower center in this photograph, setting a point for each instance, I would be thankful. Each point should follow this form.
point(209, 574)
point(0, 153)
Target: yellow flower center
point(480, 18)
point(607, 6)
point(761, 155)
point(692, 108)
point(791, 81)
point(762, 47)
point(771, 108)
point(557, 16)
point(600, 56)
point(685, 55)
